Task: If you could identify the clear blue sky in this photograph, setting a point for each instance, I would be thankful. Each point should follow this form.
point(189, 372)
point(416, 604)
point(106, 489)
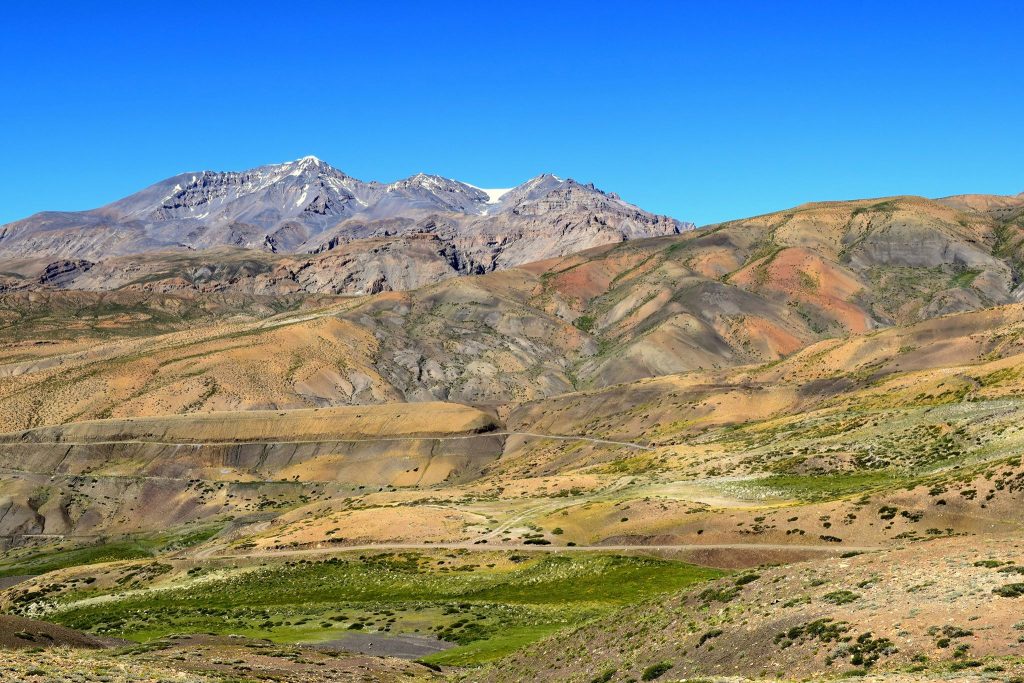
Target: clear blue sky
point(701, 110)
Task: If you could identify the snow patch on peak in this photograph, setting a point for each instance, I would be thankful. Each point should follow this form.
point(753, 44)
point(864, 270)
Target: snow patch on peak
point(304, 165)
point(493, 195)
point(299, 165)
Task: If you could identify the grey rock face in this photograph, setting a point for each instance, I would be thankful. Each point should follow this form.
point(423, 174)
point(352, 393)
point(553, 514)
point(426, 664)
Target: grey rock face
point(60, 273)
point(308, 207)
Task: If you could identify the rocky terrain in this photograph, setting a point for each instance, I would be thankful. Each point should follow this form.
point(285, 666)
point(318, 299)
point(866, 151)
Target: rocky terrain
point(203, 660)
point(341, 235)
point(745, 292)
point(942, 605)
point(779, 448)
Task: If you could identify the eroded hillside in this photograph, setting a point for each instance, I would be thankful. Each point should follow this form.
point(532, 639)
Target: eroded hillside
point(740, 293)
point(781, 447)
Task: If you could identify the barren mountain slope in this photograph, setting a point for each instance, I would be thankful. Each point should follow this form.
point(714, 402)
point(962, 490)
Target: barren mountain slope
point(897, 414)
point(390, 236)
point(941, 606)
point(740, 293)
point(146, 474)
point(832, 385)
point(758, 289)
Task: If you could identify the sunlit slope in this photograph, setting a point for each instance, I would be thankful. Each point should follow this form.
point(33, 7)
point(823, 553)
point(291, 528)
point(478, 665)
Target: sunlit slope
point(740, 293)
point(139, 475)
point(932, 612)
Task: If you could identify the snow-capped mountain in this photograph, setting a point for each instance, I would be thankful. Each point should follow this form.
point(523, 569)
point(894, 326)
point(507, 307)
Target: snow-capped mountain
point(308, 206)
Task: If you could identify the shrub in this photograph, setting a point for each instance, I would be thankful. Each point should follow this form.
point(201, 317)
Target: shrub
point(956, 632)
point(841, 597)
point(604, 676)
point(705, 637)
point(1010, 590)
point(718, 594)
point(584, 323)
point(655, 671)
point(990, 564)
point(823, 630)
point(868, 649)
point(1012, 569)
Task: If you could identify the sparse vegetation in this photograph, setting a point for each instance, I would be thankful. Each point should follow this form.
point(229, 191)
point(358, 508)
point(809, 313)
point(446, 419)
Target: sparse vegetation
point(584, 323)
point(796, 421)
point(488, 612)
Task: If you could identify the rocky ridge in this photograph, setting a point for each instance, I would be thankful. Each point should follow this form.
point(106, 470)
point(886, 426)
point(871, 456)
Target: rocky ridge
point(437, 227)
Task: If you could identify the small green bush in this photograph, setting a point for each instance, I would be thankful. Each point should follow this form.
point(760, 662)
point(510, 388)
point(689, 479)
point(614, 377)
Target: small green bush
point(655, 671)
point(718, 594)
point(1010, 590)
point(1012, 569)
point(990, 564)
point(841, 597)
point(584, 323)
point(713, 633)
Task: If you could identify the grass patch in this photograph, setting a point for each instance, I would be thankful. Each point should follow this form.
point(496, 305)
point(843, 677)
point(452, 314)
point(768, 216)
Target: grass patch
point(964, 278)
point(129, 548)
point(503, 644)
point(814, 488)
point(48, 561)
point(584, 323)
point(488, 603)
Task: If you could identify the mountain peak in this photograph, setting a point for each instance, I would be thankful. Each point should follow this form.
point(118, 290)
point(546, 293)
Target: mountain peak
point(300, 205)
point(308, 165)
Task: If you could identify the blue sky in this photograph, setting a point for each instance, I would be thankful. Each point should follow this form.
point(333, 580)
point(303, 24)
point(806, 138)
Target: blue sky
point(701, 110)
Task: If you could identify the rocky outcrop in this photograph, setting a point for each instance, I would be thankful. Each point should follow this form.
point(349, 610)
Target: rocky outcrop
point(60, 273)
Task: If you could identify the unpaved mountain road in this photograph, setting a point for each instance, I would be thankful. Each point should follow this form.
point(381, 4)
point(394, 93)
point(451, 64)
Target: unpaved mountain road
point(569, 437)
point(211, 552)
point(369, 439)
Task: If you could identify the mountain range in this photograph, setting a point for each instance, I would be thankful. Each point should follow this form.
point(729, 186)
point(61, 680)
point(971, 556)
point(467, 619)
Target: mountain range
point(748, 291)
point(418, 230)
point(280, 422)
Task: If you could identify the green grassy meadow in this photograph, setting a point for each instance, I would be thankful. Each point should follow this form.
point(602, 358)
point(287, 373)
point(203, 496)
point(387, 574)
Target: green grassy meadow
point(487, 603)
